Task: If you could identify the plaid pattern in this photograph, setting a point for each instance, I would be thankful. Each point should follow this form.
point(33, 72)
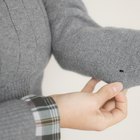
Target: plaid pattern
point(46, 116)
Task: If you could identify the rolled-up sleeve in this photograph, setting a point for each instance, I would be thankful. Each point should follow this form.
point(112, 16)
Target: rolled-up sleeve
point(46, 116)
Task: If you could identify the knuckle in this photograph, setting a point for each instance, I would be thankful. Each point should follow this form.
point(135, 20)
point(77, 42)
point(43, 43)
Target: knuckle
point(100, 127)
point(124, 115)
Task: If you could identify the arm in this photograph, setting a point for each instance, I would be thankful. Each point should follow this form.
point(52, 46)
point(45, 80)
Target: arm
point(81, 45)
point(29, 118)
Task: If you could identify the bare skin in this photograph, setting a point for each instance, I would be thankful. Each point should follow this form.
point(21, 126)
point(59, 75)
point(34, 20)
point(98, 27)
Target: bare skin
point(86, 110)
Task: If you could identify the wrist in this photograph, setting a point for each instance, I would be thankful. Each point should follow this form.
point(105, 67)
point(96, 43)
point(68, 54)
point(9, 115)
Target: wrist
point(61, 109)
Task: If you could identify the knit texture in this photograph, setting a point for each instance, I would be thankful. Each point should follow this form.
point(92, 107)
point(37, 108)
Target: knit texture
point(81, 45)
point(32, 30)
point(25, 49)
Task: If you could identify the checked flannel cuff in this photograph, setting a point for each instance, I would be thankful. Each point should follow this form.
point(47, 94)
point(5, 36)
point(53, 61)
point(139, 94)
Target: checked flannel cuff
point(46, 116)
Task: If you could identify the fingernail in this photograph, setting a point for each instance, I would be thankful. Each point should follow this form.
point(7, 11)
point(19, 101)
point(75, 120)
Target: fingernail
point(118, 87)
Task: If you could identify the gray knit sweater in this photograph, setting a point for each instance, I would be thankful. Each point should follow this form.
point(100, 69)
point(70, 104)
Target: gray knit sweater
point(32, 30)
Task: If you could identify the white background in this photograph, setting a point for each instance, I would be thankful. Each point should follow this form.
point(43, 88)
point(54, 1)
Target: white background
point(119, 13)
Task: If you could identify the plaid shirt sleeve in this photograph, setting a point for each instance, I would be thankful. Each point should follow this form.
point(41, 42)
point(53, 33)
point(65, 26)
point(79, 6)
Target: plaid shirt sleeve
point(46, 116)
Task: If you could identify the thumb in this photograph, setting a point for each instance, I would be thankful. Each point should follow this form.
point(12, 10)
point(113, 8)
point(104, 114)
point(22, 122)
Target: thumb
point(107, 92)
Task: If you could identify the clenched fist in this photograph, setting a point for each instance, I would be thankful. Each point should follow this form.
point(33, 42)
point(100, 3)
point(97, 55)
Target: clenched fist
point(97, 111)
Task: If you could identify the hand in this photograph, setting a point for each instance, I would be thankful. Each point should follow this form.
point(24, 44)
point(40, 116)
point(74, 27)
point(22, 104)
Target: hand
point(92, 111)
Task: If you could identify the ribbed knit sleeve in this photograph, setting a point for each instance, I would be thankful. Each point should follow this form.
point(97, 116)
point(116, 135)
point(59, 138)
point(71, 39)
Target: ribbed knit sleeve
point(29, 118)
point(81, 45)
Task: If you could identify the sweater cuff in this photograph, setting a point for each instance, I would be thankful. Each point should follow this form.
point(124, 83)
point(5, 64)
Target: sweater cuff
point(46, 116)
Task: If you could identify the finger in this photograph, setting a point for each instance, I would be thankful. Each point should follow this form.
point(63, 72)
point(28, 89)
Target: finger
point(89, 87)
point(120, 110)
point(107, 92)
point(121, 96)
point(110, 105)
